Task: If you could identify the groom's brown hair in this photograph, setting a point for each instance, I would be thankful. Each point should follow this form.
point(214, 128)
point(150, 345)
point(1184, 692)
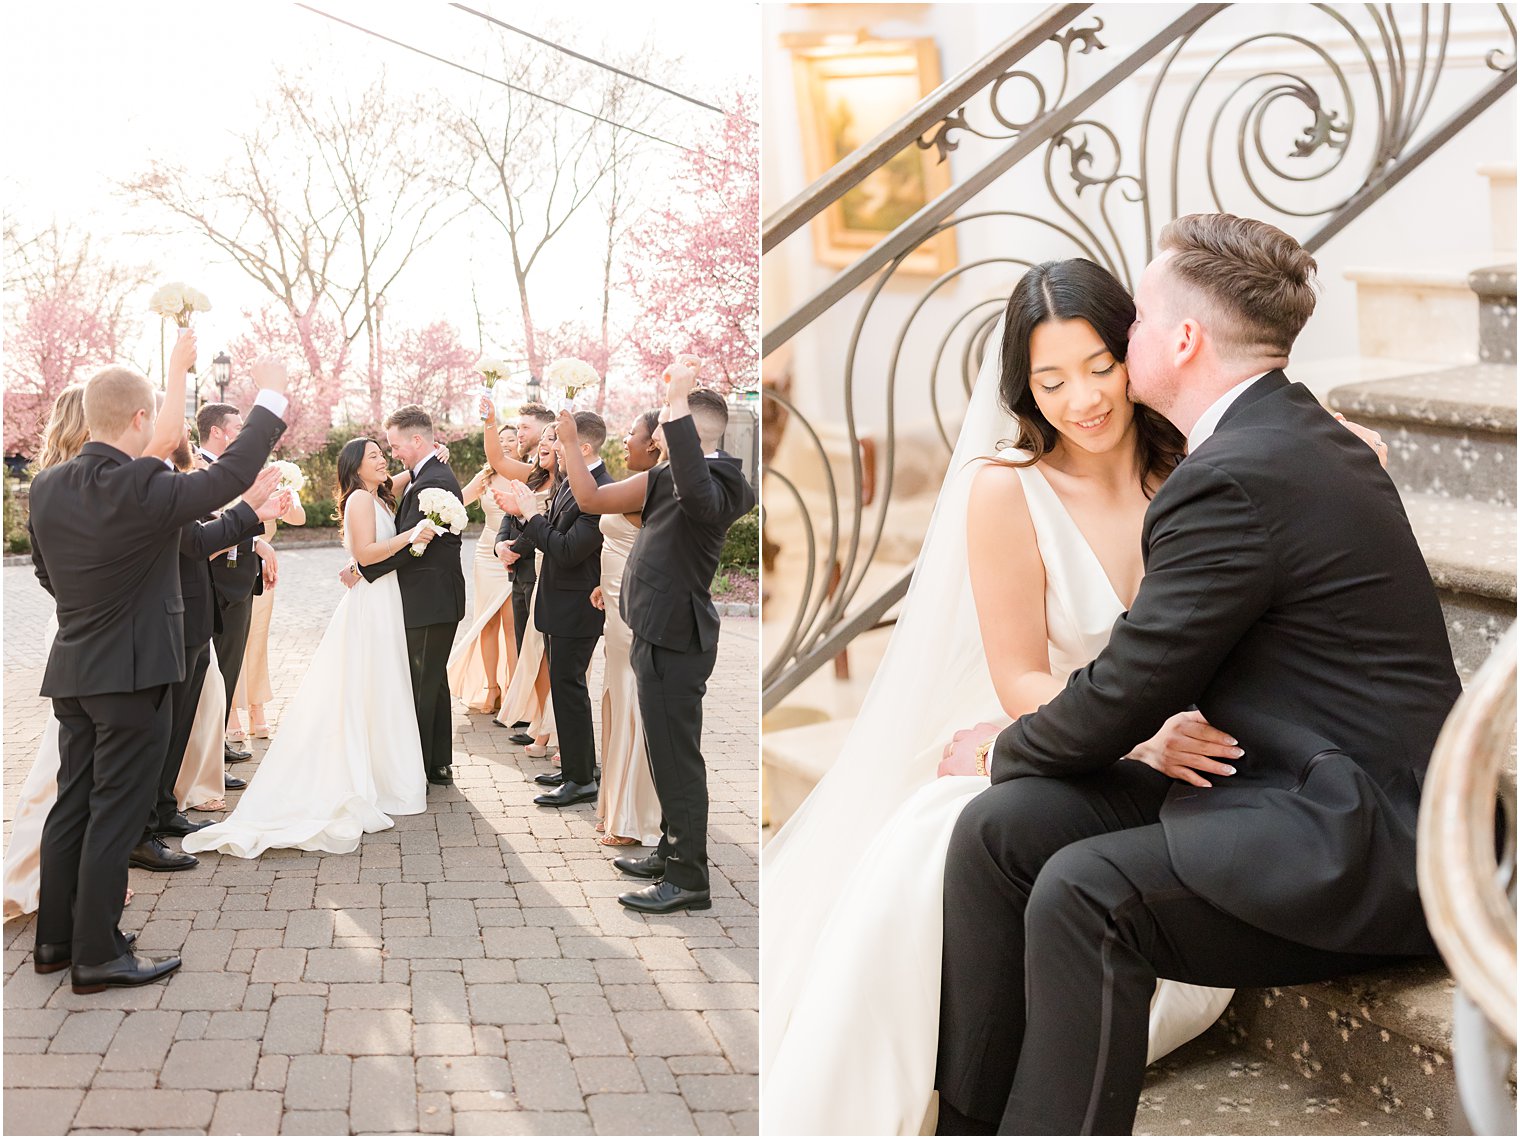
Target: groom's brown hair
point(411, 420)
point(1260, 279)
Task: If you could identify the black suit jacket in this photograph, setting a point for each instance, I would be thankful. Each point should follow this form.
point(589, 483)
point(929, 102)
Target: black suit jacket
point(197, 541)
point(105, 543)
point(432, 586)
point(1285, 596)
point(689, 504)
point(240, 581)
point(571, 542)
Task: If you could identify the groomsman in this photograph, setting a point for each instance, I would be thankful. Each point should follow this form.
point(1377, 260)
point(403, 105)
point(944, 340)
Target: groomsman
point(688, 502)
point(571, 542)
point(240, 573)
point(197, 541)
point(105, 530)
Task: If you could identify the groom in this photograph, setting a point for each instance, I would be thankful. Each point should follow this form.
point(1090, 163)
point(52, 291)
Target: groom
point(1286, 598)
point(432, 588)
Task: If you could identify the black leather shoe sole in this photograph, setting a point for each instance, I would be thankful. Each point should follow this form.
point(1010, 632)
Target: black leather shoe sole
point(89, 979)
point(647, 867)
point(550, 779)
point(651, 900)
point(51, 958)
point(232, 783)
point(521, 738)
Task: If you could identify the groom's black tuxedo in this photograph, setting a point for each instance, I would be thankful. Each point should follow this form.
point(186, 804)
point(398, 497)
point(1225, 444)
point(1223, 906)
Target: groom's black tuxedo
point(105, 534)
point(237, 584)
point(432, 605)
point(689, 504)
point(1284, 596)
point(571, 542)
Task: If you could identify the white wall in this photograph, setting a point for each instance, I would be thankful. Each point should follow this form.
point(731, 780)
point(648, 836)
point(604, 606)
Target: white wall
point(1438, 215)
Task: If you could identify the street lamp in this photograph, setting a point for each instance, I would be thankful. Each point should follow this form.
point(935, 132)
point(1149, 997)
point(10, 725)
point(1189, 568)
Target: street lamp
point(221, 369)
point(535, 388)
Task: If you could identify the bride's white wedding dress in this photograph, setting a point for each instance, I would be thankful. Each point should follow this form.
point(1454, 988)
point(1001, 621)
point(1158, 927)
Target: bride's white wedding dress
point(347, 754)
point(853, 884)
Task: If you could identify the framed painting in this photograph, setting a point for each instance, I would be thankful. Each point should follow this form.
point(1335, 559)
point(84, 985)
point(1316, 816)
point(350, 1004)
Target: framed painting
point(847, 93)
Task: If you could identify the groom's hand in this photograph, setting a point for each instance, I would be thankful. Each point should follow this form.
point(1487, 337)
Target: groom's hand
point(959, 757)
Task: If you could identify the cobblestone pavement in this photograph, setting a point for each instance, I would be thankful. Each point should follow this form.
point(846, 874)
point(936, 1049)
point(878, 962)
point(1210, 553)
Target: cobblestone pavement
point(468, 972)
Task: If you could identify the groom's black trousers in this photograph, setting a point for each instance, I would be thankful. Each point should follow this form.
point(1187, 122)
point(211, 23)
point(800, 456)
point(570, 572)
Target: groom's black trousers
point(184, 699)
point(1061, 910)
point(427, 652)
point(110, 752)
point(569, 658)
point(671, 685)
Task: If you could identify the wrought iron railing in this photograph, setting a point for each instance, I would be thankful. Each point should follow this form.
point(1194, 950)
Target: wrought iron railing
point(1469, 890)
point(1358, 119)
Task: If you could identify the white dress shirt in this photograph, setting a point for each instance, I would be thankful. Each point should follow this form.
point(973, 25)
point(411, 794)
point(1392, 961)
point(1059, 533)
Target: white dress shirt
point(1209, 420)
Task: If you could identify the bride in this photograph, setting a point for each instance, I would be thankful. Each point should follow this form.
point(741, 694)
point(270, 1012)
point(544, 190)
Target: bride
point(347, 755)
point(1032, 553)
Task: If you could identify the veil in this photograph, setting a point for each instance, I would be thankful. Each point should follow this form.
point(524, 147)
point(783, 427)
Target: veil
point(934, 668)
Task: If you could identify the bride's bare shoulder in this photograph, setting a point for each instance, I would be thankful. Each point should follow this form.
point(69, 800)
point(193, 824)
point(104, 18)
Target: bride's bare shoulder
point(998, 486)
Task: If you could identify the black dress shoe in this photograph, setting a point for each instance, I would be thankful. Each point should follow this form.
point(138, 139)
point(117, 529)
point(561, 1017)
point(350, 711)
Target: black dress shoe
point(665, 897)
point(650, 866)
point(232, 783)
point(234, 754)
point(51, 958)
point(567, 794)
point(152, 854)
point(522, 738)
point(128, 969)
point(179, 826)
point(520, 724)
point(440, 776)
point(550, 779)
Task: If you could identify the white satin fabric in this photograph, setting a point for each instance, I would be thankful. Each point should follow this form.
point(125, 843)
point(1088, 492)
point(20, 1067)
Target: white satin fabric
point(346, 755)
point(853, 884)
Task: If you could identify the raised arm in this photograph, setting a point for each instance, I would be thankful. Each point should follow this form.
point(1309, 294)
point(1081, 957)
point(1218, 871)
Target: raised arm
point(1209, 578)
point(170, 424)
point(623, 497)
point(700, 495)
point(501, 462)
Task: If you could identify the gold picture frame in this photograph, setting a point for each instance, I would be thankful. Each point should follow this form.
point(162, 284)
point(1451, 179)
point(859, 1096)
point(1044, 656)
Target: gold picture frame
point(847, 93)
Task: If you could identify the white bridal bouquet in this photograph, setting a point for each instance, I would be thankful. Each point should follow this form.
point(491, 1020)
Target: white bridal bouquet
point(571, 376)
point(292, 478)
point(442, 511)
point(494, 372)
point(176, 301)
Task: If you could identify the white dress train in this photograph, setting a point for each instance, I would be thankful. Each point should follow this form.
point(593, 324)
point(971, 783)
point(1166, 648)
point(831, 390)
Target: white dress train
point(346, 755)
point(851, 1020)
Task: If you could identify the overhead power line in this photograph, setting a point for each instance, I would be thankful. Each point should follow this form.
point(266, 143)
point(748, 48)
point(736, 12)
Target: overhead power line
point(588, 59)
point(512, 86)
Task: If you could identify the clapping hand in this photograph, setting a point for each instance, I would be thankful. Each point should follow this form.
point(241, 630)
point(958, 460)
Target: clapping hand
point(182, 357)
point(527, 504)
point(269, 374)
point(274, 506)
point(259, 494)
point(505, 502)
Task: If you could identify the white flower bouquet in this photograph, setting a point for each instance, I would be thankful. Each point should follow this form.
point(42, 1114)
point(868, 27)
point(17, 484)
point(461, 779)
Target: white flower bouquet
point(176, 301)
point(494, 372)
point(571, 376)
point(292, 478)
point(442, 511)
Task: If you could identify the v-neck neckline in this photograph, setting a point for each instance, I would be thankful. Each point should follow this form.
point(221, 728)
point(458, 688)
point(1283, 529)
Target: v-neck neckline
point(1086, 543)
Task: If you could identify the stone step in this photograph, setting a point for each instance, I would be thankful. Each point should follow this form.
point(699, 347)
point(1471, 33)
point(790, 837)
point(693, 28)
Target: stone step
point(1450, 433)
point(1424, 311)
point(793, 760)
point(1495, 290)
point(1501, 200)
point(1217, 1085)
point(1470, 550)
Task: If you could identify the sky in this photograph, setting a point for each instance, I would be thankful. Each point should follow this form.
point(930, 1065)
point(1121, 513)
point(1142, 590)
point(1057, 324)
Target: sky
point(93, 90)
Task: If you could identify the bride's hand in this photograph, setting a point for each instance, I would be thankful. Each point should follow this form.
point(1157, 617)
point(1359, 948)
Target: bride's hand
point(1186, 745)
point(959, 756)
point(1368, 436)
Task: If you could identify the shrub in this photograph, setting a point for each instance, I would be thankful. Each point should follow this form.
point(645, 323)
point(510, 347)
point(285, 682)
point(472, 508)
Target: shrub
point(17, 540)
point(741, 549)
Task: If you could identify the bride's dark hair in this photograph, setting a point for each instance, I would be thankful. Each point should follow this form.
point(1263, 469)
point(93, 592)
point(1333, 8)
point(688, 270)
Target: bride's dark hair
point(349, 461)
point(1076, 290)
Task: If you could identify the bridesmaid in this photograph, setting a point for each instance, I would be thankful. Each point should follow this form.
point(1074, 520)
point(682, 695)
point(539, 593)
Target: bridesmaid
point(628, 809)
point(481, 664)
point(253, 687)
point(527, 696)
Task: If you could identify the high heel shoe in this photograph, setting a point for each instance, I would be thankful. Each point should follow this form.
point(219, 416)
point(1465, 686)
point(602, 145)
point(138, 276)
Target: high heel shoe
point(536, 751)
point(257, 728)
